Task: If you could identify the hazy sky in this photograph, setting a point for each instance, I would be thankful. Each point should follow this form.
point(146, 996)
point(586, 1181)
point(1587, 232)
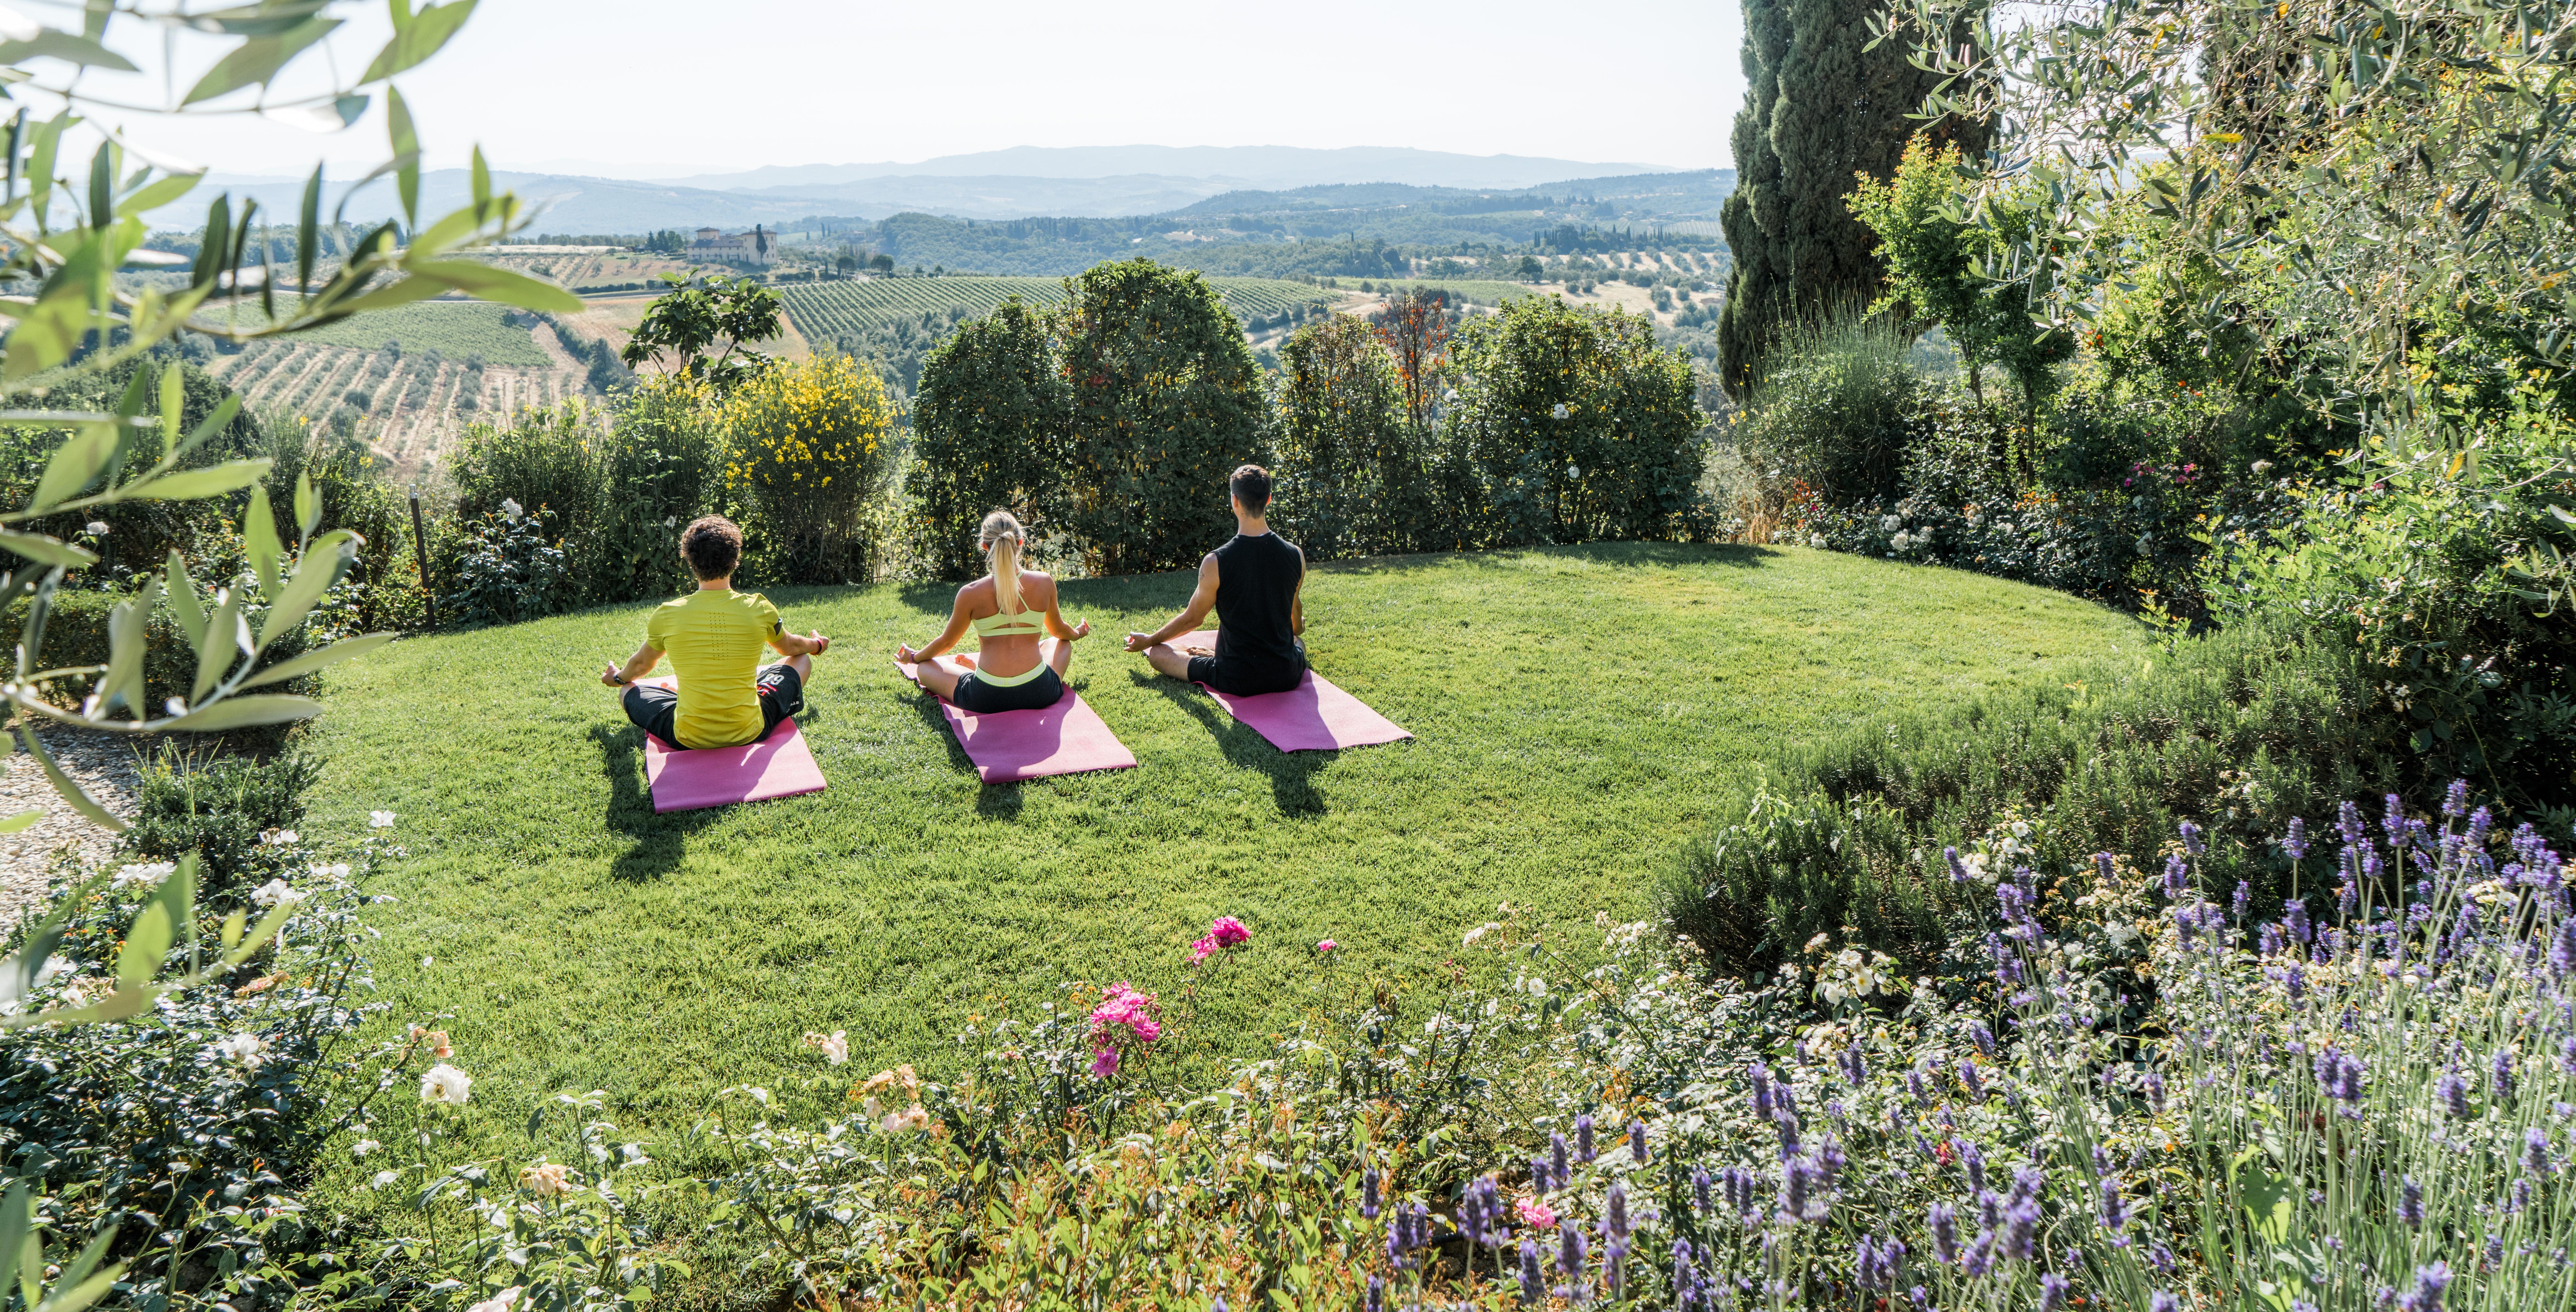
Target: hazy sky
point(667, 88)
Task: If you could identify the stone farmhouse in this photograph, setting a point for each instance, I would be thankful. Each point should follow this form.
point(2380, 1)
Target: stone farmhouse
point(758, 246)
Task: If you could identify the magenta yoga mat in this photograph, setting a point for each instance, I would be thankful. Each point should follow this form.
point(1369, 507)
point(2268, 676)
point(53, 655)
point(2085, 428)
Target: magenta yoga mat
point(779, 765)
point(1314, 716)
point(1008, 746)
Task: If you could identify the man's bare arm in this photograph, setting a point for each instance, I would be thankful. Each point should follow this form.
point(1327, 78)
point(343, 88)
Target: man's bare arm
point(636, 667)
point(1202, 600)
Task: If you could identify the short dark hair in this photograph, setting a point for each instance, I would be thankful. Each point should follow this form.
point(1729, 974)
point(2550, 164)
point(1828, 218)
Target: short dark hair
point(712, 544)
point(1251, 486)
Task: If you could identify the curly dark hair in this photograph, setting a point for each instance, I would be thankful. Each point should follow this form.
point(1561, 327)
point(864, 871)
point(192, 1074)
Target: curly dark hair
point(1251, 486)
point(712, 544)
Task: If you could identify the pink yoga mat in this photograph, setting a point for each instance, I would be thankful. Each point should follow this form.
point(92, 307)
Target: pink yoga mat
point(1008, 746)
point(779, 765)
point(1314, 716)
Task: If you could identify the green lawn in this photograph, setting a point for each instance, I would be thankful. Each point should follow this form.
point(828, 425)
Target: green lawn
point(1573, 708)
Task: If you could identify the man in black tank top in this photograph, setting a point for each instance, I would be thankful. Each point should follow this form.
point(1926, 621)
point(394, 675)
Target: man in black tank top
point(1251, 582)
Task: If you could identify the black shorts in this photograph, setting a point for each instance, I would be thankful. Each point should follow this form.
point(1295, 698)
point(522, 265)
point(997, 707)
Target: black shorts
point(977, 697)
point(656, 709)
point(1235, 679)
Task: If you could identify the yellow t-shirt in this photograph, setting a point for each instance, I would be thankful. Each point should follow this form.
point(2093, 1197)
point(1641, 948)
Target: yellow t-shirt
point(714, 640)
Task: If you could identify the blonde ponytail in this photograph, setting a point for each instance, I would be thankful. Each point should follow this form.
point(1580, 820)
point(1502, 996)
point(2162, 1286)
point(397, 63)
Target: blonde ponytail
point(1002, 538)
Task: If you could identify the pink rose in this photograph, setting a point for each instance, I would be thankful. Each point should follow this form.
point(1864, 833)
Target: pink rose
point(1228, 931)
point(1327, 946)
point(1202, 950)
point(1106, 1064)
point(1534, 1213)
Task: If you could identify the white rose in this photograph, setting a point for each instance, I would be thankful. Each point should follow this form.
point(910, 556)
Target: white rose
point(443, 1083)
point(499, 1302)
point(380, 819)
point(363, 1147)
point(247, 1049)
point(276, 893)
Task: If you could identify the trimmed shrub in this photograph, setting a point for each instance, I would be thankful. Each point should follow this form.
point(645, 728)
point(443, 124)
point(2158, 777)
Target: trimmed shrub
point(807, 454)
point(218, 809)
point(1166, 402)
point(1852, 832)
point(1354, 481)
point(1574, 428)
point(989, 432)
point(1837, 412)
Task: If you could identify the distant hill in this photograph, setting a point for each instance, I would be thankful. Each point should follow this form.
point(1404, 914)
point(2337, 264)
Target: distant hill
point(1238, 166)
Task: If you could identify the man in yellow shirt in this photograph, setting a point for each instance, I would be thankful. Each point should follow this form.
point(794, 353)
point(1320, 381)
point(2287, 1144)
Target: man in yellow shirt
point(714, 638)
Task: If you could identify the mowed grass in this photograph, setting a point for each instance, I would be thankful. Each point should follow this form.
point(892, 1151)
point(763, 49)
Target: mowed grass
point(1575, 710)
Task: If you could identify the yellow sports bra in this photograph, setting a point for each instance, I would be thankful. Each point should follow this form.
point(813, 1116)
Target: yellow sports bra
point(1025, 623)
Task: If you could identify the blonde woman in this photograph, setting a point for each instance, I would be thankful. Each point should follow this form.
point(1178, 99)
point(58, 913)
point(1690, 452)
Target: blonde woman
point(1013, 669)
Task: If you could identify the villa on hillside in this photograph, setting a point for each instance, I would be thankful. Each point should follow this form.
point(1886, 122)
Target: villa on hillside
point(759, 246)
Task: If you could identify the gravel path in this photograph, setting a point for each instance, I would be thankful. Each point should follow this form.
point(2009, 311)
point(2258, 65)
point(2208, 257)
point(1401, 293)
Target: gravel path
point(102, 763)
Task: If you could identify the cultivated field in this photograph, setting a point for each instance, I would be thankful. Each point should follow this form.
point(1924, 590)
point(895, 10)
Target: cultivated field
point(823, 309)
point(596, 269)
point(410, 401)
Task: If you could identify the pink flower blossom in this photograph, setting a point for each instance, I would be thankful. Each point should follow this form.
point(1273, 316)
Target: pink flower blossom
point(1122, 1006)
point(1202, 950)
point(1534, 1213)
point(1228, 931)
point(1106, 1064)
point(1327, 946)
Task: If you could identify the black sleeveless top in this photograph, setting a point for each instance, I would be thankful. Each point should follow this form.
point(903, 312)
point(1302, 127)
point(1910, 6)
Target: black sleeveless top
point(1256, 583)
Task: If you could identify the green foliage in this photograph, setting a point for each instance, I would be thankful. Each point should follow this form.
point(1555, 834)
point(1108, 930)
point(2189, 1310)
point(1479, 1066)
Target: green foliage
point(989, 433)
point(823, 311)
point(1824, 99)
point(1355, 478)
point(1166, 403)
point(221, 810)
point(2235, 732)
point(1839, 408)
point(1574, 427)
point(508, 568)
point(694, 317)
point(808, 448)
point(2449, 576)
point(1945, 246)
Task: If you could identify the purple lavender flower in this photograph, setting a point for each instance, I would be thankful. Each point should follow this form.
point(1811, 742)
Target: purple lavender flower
point(2453, 1093)
point(1562, 1170)
point(2348, 823)
point(2430, 1281)
point(2347, 899)
point(1614, 1217)
point(2161, 1258)
point(2392, 819)
point(2535, 1151)
point(2007, 963)
point(2115, 1210)
point(1984, 1038)
point(1533, 1281)
point(2104, 867)
point(1958, 868)
point(1914, 1087)
point(1583, 1151)
point(2294, 919)
point(2177, 878)
point(2154, 1085)
point(2269, 941)
point(2021, 1230)
point(2237, 904)
point(1375, 1299)
point(2052, 1292)
point(2295, 842)
point(1742, 1192)
point(2295, 980)
point(1972, 1160)
point(1762, 1104)
point(2160, 1301)
point(2191, 840)
point(1855, 1070)
point(1685, 1281)
point(2502, 1088)
point(1976, 1083)
point(1637, 1143)
point(1945, 1234)
point(1570, 1253)
point(1368, 1194)
point(1699, 1188)
point(2562, 949)
point(2455, 799)
point(2410, 1203)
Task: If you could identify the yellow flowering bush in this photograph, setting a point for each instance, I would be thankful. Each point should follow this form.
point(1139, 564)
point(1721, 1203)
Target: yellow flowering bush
point(807, 452)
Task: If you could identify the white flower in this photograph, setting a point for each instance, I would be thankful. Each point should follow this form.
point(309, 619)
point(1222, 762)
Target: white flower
point(670, 521)
point(363, 1147)
point(281, 838)
point(55, 967)
point(499, 1302)
point(275, 893)
point(835, 1046)
point(546, 1179)
point(336, 870)
point(96, 528)
point(380, 819)
point(1559, 411)
point(911, 1119)
point(1468, 939)
point(1537, 987)
point(510, 509)
point(443, 1083)
point(1890, 523)
point(2119, 932)
point(384, 1178)
point(131, 876)
point(248, 1049)
point(1816, 540)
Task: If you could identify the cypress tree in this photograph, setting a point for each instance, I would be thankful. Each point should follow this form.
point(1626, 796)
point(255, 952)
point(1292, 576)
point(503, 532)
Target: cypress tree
point(1819, 108)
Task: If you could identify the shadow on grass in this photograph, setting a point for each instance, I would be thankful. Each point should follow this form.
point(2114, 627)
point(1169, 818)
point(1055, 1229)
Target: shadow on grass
point(1292, 774)
point(1734, 555)
point(660, 841)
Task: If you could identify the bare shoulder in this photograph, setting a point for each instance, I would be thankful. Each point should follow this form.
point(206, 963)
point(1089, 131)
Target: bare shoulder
point(1038, 586)
point(977, 593)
